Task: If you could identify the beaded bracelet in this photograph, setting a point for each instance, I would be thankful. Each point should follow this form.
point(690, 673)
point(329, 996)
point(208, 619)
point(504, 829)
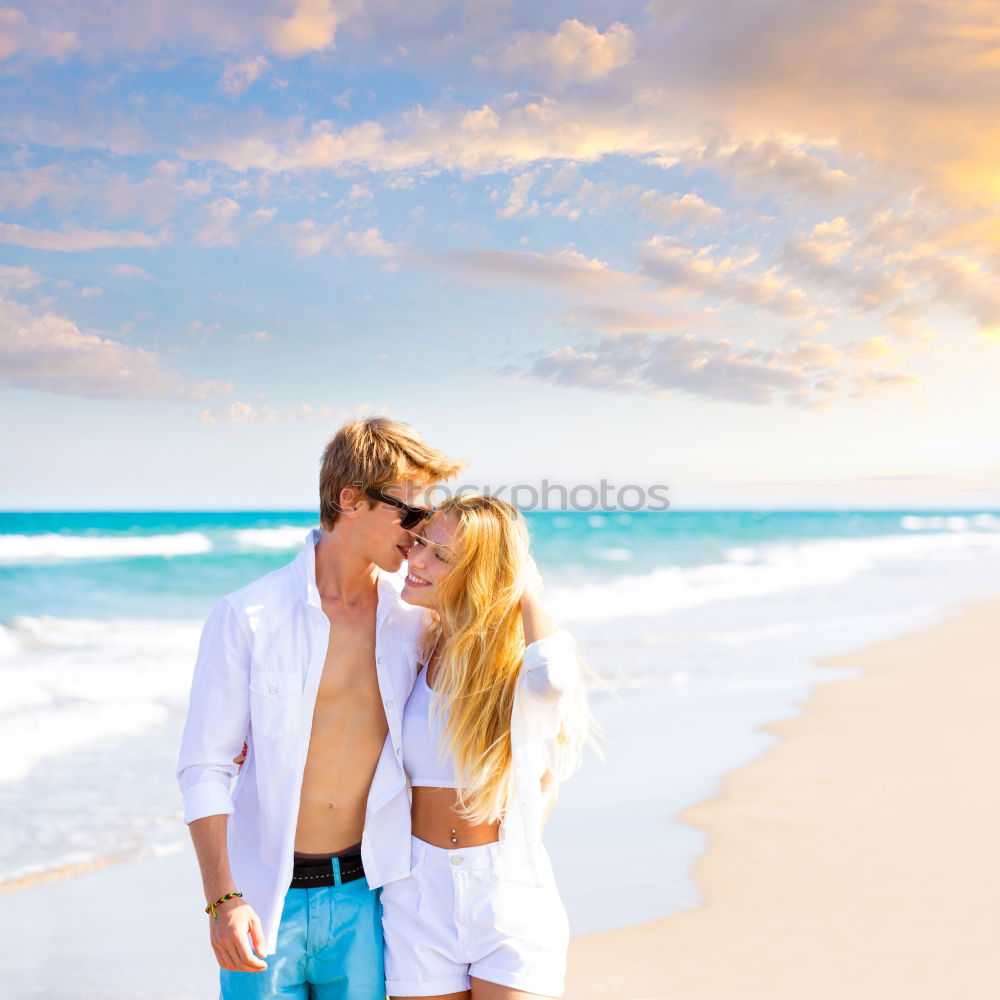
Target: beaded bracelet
point(211, 906)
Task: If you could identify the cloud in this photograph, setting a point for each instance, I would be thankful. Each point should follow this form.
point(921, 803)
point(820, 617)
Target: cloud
point(201, 330)
point(960, 281)
point(220, 214)
point(129, 271)
point(808, 376)
point(511, 133)
point(257, 337)
point(689, 210)
point(17, 34)
point(695, 271)
point(48, 352)
point(311, 27)
point(518, 206)
point(606, 318)
point(877, 383)
point(240, 75)
point(845, 71)
point(309, 238)
point(57, 29)
point(714, 370)
point(669, 271)
point(565, 270)
point(13, 24)
point(369, 243)
point(18, 279)
point(576, 52)
point(247, 413)
point(900, 263)
point(72, 240)
point(520, 134)
point(669, 210)
point(777, 166)
point(773, 94)
point(94, 187)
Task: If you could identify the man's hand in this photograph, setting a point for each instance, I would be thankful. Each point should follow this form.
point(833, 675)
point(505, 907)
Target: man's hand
point(229, 937)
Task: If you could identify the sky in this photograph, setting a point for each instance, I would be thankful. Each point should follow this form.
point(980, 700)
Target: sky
point(745, 249)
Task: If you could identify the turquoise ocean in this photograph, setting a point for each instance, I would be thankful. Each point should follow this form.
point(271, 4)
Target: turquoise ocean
point(702, 626)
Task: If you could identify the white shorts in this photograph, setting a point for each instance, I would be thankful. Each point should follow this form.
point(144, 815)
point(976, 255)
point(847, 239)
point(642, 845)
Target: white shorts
point(454, 917)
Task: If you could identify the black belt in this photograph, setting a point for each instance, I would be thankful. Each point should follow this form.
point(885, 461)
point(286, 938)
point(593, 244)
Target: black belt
point(320, 871)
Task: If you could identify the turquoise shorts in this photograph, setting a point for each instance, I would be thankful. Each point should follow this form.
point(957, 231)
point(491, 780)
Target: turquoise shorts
point(329, 948)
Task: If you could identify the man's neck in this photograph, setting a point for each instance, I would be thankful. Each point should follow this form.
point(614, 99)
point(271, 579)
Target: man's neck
point(341, 574)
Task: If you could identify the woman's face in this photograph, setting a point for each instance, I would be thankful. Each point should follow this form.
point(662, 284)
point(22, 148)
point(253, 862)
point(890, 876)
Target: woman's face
point(432, 555)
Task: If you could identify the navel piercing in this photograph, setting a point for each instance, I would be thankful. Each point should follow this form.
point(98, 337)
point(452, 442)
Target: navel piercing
point(454, 839)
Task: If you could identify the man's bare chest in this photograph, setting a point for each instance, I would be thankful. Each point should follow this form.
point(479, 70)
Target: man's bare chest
point(349, 670)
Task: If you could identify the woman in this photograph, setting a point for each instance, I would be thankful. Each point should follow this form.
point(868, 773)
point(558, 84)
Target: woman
point(496, 718)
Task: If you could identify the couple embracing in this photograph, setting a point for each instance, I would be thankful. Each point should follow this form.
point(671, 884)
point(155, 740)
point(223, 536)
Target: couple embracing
point(396, 747)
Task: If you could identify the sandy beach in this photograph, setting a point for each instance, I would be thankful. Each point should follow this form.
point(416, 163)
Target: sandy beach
point(858, 858)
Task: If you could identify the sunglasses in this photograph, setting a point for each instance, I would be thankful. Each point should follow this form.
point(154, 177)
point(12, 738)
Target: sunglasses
point(412, 516)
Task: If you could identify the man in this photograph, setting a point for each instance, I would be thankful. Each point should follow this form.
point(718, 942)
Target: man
point(311, 666)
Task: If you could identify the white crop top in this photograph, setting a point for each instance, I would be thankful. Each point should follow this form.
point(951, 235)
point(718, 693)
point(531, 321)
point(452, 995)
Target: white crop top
point(421, 740)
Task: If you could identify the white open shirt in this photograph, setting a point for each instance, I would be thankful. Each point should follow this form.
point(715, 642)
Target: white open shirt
point(258, 670)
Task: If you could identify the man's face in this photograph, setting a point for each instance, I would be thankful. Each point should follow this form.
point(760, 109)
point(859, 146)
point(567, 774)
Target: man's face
point(381, 536)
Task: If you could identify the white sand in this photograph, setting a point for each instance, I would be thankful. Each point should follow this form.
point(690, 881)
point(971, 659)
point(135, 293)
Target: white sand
point(127, 932)
point(858, 859)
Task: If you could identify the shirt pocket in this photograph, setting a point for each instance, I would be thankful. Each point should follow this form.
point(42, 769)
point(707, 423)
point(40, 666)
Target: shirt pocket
point(274, 684)
point(275, 701)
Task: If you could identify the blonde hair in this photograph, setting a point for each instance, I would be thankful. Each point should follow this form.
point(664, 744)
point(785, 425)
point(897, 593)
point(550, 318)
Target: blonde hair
point(477, 675)
point(376, 452)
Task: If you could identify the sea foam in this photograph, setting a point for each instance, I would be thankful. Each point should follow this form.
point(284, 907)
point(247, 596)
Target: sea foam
point(284, 536)
point(758, 570)
point(54, 547)
point(69, 683)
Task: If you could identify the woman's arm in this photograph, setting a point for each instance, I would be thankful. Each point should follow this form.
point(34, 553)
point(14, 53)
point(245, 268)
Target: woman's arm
point(550, 665)
point(538, 623)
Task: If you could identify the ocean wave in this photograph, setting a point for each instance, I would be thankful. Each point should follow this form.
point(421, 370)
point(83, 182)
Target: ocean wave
point(758, 570)
point(55, 547)
point(69, 683)
point(950, 522)
point(611, 555)
point(286, 536)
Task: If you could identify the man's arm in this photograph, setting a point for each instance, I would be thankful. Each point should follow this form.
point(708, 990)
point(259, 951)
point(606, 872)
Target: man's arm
point(217, 722)
point(235, 918)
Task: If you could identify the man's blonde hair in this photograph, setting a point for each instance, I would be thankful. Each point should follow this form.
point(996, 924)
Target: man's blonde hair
point(376, 452)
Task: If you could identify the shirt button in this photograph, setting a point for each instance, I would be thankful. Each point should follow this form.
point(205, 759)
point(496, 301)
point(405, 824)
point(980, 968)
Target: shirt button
point(388, 704)
point(272, 689)
point(457, 859)
point(379, 660)
point(398, 751)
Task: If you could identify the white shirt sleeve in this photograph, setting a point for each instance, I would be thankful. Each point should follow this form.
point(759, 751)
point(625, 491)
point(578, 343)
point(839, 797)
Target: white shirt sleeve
point(218, 719)
point(550, 667)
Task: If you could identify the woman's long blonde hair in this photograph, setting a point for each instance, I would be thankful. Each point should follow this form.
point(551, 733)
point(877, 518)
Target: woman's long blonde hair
point(474, 685)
